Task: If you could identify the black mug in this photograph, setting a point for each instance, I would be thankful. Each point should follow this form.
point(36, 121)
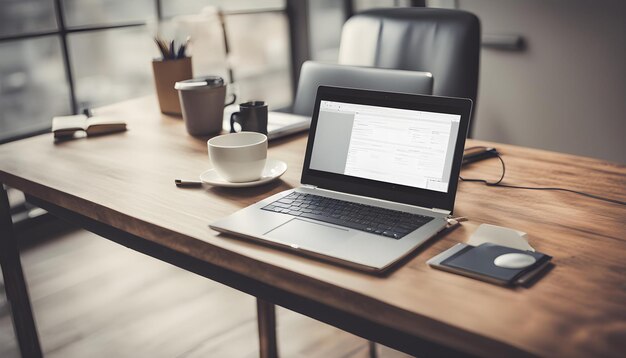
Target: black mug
point(252, 117)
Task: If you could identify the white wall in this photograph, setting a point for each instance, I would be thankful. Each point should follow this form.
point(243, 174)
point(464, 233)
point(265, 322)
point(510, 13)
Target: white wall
point(567, 91)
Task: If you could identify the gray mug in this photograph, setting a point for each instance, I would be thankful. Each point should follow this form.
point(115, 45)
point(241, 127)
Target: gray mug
point(202, 104)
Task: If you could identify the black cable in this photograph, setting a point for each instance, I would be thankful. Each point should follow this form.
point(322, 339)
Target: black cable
point(499, 183)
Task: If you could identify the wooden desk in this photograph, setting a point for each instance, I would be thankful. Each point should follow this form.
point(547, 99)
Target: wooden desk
point(121, 187)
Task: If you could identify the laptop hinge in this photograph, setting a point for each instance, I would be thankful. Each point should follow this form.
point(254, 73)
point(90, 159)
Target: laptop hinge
point(309, 186)
point(441, 211)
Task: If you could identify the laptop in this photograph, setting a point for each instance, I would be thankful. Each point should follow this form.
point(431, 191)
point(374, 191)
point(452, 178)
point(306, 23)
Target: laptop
point(379, 179)
point(314, 74)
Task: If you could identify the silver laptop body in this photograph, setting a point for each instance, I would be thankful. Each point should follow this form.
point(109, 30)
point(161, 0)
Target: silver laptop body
point(396, 152)
point(315, 74)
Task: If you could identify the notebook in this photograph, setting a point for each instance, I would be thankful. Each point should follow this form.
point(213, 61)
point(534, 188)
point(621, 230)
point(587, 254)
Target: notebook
point(67, 126)
point(379, 179)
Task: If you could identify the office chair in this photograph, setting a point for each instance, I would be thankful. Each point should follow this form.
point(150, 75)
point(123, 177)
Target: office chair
point(443, 42)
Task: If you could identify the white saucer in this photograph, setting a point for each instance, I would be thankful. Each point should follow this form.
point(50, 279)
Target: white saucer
point(272, 171)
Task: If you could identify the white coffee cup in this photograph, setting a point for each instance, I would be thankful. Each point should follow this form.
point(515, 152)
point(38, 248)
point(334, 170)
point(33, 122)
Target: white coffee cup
point(238, 157)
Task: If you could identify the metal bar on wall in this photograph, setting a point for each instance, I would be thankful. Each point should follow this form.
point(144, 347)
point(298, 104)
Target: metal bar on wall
point(504, 42)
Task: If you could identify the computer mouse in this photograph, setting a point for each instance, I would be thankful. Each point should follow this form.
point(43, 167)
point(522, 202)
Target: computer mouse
point(514, 261)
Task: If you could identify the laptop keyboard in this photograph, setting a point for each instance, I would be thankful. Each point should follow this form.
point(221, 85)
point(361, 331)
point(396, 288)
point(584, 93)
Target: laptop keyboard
point(385, 222)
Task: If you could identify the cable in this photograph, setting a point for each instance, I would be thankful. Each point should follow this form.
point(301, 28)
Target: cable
point(499, 183)
point(484, 180)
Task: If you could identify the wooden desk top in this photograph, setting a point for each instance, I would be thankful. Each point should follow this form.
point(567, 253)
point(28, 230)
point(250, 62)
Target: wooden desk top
point(577, 309)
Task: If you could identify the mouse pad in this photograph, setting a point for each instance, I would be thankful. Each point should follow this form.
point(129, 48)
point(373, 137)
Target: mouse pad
point(479, 260)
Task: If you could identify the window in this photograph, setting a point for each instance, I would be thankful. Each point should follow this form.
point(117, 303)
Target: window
point(26, 17)
point(260, 57)
point(32, 85)
point(60, 56)
point(177, 7)
point(111, 66)
point(108, 12)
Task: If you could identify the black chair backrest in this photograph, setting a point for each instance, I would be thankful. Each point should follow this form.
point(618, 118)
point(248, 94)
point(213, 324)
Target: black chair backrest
point(443, 42)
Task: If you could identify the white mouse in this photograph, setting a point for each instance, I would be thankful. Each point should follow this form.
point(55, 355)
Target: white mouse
point(514, 261)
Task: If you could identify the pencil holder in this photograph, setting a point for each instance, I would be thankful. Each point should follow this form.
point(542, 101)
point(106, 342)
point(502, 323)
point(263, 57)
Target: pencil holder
point(166, 74)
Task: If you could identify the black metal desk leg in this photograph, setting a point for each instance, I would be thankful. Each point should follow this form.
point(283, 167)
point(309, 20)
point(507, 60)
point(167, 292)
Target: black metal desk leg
point(372, 349)
point(266, 317)
point(15, 285)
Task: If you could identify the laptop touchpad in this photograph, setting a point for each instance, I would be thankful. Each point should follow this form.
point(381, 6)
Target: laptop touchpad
point(310, 235)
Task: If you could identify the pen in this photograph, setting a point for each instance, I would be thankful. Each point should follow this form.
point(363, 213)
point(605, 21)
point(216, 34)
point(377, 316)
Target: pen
point(185, 183)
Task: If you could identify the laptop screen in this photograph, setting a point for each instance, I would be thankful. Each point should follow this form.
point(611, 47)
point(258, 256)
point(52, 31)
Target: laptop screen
point(408, 147)
point(399, 147)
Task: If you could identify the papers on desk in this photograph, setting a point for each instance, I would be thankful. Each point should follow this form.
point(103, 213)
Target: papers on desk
point(279, 124)
point(499, 235)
